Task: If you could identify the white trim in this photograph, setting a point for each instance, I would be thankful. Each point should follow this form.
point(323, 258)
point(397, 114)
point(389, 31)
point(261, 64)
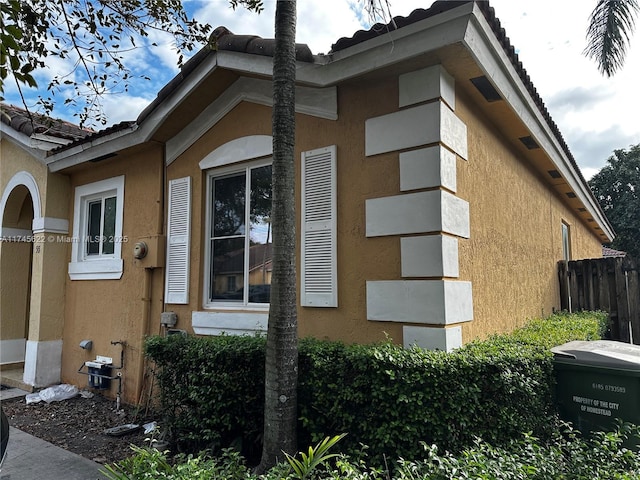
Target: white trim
point(427, 84)
point(432, 338)
point(244, 148)
point(102, 267)
point(229, 323)
point(16, 234)
point(42, 363)
point(427, 168)
point(317, 102)
point(176, 290)
point(26, 179)
point(422, 212)
point(51, 225)
point(23, 141)
point(429, 256)
point(12, 351)
point(414, 127)
point(213, 173)
point(318, 236)
point(438, 302)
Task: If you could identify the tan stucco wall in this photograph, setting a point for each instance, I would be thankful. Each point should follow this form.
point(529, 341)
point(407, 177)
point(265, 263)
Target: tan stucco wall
point(515, 218)
point(14, 288)
point(516, 240)
point(376, 177)
point(114, 310)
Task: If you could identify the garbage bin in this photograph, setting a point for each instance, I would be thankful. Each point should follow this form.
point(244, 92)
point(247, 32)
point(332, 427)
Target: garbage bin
point(597, 382)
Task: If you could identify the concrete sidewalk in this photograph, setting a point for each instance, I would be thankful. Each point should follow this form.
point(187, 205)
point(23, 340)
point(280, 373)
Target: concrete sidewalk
point(30, 458)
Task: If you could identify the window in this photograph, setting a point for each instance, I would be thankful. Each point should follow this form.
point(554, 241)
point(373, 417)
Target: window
point(238, 241)
point(566, 242)
point(97, 231)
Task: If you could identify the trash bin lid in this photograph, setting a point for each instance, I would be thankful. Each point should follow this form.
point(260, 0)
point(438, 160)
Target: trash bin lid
point(606, 353)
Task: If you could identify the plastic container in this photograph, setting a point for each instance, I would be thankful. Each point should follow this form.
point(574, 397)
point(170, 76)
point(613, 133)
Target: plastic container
point(597, 383)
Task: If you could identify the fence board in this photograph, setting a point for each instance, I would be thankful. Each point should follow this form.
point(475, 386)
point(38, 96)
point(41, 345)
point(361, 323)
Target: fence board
point(609, 284)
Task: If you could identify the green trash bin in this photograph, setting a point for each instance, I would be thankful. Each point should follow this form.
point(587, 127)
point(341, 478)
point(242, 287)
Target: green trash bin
point(597, 383)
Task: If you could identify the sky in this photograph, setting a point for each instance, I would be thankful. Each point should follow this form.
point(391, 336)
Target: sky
point(595, 114)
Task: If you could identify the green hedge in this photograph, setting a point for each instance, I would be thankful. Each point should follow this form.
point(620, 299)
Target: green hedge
point(384, 396)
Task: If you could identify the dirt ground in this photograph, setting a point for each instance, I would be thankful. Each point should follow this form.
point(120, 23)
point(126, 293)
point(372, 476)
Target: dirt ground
point(79, 425)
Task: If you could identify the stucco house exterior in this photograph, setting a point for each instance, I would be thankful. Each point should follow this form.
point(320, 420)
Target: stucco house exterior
point(435, 197)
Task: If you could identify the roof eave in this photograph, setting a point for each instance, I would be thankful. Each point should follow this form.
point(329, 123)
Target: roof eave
point(23, 141)
point(480, 40)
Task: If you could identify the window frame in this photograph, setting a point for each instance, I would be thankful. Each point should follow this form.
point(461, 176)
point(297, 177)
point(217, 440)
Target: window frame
point(102, 266)
point(565, 232)
point(210, 175)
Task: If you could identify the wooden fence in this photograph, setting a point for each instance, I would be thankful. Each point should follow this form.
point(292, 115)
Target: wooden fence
point(609, 284)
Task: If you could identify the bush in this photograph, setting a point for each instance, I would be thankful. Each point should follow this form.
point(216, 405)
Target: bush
point(211, 391)
point(384, 396)
point(567, 457)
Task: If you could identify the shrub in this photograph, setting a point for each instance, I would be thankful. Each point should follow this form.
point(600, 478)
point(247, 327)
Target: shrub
point(384, 396)
point(211, 391)
point(567, 456)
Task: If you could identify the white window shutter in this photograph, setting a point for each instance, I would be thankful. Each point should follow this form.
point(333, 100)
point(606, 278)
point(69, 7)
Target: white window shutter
point(319, 287)
point(178, 233)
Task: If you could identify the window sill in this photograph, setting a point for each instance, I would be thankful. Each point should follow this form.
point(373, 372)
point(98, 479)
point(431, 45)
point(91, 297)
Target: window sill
point(105, 269)
point(229, 323)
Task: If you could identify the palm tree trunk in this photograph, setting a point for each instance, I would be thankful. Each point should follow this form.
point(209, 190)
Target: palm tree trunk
point(280, 409)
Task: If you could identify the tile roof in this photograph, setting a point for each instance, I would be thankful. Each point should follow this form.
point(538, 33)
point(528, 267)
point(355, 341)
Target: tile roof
point(221, 39)
point(29, 124)
point(610, 252)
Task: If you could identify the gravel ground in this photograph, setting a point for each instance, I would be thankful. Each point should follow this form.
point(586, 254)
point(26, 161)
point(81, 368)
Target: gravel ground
point(79, 425)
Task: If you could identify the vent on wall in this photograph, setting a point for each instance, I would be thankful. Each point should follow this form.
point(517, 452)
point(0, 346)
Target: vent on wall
point(529, 142)
point(487, 90)
point(554, 174)
point(571, 195)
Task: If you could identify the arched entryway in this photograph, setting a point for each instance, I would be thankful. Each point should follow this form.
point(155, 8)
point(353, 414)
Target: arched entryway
point(15, 276)
point(31, 285)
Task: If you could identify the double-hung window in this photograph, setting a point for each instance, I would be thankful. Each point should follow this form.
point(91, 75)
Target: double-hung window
point(97, 231)
point(238, 240)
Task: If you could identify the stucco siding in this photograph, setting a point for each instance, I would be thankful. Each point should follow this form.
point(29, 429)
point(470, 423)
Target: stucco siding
point(515, 240)
point(118, 310)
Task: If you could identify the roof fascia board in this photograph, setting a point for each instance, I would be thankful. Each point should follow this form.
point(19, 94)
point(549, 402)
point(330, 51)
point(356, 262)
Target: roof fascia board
point(92, 149)
point(317, 102)
point(490, 56)
point(22, 141)
point(246, 63)
point(396, 46)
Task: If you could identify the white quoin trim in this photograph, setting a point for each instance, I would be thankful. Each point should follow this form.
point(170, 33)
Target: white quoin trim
point(427, 168)
point(437, 302)
point(427, 84)
point(422, 212)
point(415, 127)
point(432, 338)
point(178, 241)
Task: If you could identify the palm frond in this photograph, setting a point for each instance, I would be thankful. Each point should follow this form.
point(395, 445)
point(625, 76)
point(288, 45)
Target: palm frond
point(611, 24)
